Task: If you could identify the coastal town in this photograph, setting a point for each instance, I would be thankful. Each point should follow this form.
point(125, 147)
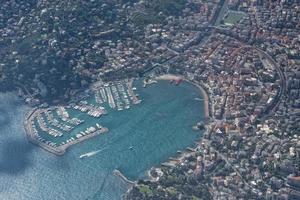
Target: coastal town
point(251, 146)
point(244, 55)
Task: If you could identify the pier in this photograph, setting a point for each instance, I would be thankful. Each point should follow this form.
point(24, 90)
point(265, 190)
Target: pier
point(119, 94)
point(120, 175)
point(131, 93)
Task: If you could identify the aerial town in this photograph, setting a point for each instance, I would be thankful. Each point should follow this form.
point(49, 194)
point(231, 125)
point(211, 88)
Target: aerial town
point(244, 54)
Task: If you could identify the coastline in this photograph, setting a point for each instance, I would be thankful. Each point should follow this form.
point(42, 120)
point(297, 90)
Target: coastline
point(179, 157)
point(60, 150)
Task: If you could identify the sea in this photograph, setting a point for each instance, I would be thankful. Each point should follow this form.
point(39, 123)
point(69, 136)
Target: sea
point(138, 139)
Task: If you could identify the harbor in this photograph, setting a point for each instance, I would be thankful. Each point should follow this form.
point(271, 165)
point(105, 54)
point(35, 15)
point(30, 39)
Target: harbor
point(59, 127)
point(155, 129)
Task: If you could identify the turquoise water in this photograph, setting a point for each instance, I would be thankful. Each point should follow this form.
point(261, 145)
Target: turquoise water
point(156, 128)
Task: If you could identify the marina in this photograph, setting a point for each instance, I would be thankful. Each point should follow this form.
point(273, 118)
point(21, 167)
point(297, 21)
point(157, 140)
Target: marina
point(118, 95)
point(57, 128)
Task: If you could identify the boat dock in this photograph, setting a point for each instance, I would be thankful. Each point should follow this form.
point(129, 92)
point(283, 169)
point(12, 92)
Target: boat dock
point(89, 109)
point(119, 94)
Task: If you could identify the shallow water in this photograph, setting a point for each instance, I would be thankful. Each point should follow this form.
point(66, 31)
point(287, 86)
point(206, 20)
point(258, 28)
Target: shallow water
point(156, 129)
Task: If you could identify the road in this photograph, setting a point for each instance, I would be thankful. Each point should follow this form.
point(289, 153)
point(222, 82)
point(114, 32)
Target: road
point(282, 89)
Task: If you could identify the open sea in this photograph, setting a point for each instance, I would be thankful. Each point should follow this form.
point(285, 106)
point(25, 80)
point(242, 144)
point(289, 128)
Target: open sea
point(156, 129)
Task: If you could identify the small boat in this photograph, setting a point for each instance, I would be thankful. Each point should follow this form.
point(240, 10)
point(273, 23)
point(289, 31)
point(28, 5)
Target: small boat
point(178, 81)
point(131, 148)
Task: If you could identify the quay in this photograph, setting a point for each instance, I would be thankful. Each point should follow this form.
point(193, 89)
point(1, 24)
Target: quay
point(131, 93)
point(170, 164)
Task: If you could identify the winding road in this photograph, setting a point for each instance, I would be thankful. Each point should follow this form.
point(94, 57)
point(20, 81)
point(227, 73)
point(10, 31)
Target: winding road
point(282, 89)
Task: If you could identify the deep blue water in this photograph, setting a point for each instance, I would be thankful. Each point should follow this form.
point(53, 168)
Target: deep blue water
point(156, 128)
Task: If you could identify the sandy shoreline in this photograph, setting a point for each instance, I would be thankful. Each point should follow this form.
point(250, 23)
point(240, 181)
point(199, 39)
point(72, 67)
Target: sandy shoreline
point(170, 77)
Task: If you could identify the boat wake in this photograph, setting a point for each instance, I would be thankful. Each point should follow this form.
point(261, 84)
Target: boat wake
point(92, 153)
point(198, 99)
